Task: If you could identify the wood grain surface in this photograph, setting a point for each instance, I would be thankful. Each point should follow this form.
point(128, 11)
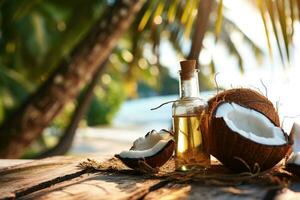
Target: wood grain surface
point(61, 178)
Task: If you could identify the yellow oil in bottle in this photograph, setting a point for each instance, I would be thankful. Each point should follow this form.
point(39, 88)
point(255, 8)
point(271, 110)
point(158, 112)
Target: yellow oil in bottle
point(190, 151)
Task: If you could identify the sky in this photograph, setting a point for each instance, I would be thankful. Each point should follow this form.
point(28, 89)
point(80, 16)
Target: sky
point(282, 83)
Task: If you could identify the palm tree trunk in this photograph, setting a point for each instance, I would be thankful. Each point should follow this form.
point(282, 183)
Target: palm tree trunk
point(66, 141)
point(204, 10)
point(27, 123)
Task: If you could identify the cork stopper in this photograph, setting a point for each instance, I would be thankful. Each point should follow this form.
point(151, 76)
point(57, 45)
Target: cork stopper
point(188, 68)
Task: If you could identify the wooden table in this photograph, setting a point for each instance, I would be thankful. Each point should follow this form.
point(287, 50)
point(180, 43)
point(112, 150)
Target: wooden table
point(61, 178)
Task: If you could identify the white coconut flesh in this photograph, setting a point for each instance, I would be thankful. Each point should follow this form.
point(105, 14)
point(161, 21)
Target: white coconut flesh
point(295, 156)
point(250, 124)
point(149, 145)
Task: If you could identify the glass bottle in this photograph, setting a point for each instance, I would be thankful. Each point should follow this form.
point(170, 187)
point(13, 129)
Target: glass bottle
point(191, 149)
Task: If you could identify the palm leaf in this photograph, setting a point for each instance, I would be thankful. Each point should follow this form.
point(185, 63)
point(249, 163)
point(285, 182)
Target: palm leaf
point(270, 9)
point(233, 50)
point(13, 88)
point(230, 25)
point(212, 66)
point(190, 22)
point(22, 9)
point(172, 11)
point(187, 11)
point(159, 9)
point(147, 15)
point(219, 20)
point(282, 21)
point(262, 9)
point(292, 14)
point(175, 37)
point(298, 6)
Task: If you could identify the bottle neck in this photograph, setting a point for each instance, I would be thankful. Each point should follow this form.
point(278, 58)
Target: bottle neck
point(189, 87)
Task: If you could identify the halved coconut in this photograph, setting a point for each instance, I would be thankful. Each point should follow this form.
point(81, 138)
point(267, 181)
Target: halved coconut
point(293, 163)
point(241, 137)
point(154, 149)
point(248, 98)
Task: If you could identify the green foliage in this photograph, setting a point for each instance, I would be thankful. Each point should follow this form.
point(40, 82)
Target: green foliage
point(178, 18)
point(63, 119)
point(282, 15)
point(13, 90)
point(108, 97)
point(35, 36)
point(168, 85)
point(38, 35)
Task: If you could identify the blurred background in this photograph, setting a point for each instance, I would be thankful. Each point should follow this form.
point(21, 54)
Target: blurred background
point(128, 69)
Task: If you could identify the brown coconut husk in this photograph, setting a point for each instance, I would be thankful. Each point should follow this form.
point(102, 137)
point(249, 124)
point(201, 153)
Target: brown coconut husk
point(248, 98)
point(230, 147)
point(234, 150)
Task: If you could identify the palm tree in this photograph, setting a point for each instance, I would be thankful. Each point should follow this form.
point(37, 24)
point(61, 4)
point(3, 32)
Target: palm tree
point(66, 81)
point(191, 19)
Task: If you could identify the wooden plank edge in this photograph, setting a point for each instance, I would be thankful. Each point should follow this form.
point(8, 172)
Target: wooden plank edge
point(140, 193)
point(4, 163)
point(153, 188)
point(45, 184)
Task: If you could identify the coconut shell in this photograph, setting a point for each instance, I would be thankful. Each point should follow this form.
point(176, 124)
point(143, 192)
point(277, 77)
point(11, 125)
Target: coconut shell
point(242, 96)
point(154, 161)
point(248, 98)
point(234, 150)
